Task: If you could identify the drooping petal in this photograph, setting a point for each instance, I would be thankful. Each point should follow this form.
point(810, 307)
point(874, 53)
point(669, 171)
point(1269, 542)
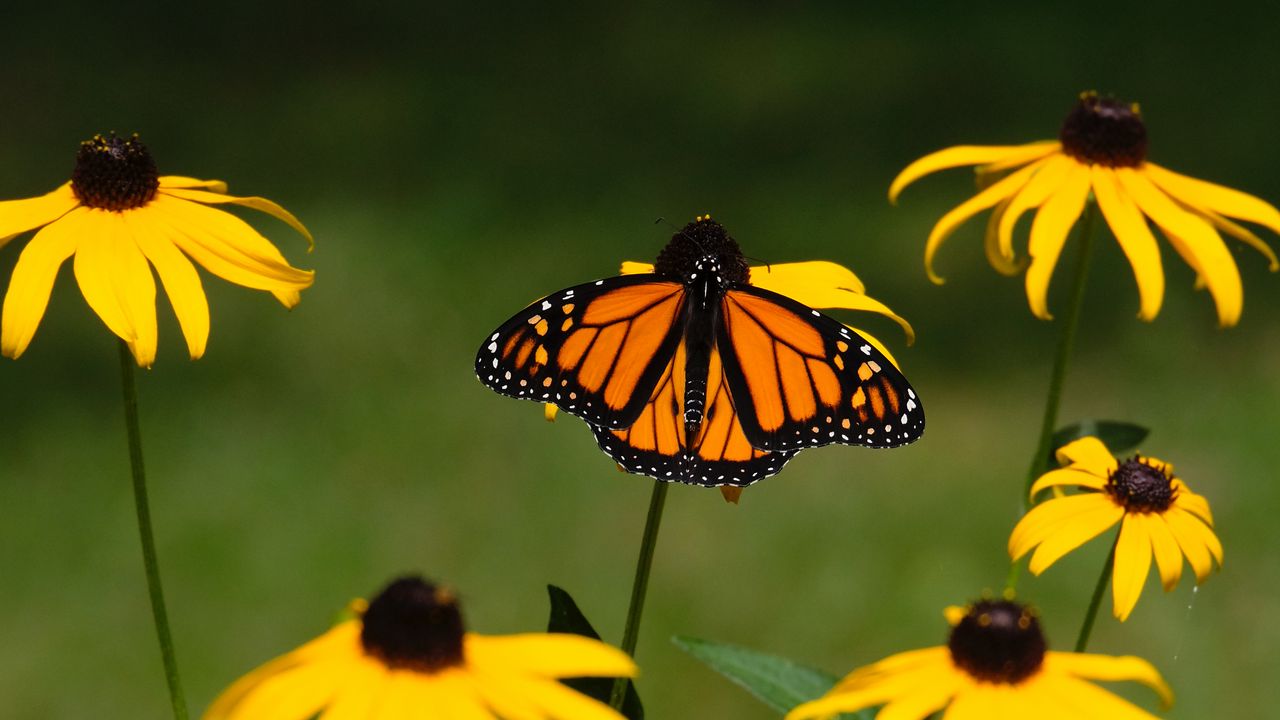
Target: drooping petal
point(227, 246)
point(967, 209)
point(817, 283)
point(359, 695)
point(991, 243)
point(181, 281)
point(293, 694)
point(834, 703)
point(560, 702)
point(137, 290)
point(1049, 232)
point(1040, 188)
point(1239, 232)
point(1090, 455)
point(1191, 502)
point(1073, 533)
point(961, 155)
point(1044, 519)
point(1080, 699)
point(926, 700)
point(28, 295)
point(1135, 239)
point(979, 701)
point(1034, 151)
point(1219, 198)
point(256, 203)
point(1132, 563)
point(1189, 539)
point(1165, 548)
point(456, 697)
point(507, 702)
point(633, 267)
point(1194, 527)
point(549, 655)
point(1110, 668)
point(549, 411)
point(1195, 240)
point(116, 282)
point(168, 182)
point(19, 216)
point(1069, 477)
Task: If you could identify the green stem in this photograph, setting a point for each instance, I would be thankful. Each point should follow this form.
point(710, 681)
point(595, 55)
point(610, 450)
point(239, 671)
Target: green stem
point(641, 584)
point(1066, 339)
point(148, 541)
point(1082, 641)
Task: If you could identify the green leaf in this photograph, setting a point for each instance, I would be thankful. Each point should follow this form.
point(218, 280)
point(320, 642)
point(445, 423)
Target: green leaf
point(567, 618)
point(778, 682)
point(1117, 435)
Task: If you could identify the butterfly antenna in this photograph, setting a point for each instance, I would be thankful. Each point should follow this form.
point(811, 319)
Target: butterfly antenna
point(767, 265)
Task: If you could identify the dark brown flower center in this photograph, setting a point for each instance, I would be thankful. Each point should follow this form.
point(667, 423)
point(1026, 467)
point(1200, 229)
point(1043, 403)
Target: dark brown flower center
point(114, 174)
point(998, 641)
point(1141, 485)
point(1104, 131)
point(414, 625)
point(703, 243)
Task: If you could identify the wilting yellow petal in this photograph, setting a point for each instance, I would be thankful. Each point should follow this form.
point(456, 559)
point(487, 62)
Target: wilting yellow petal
point(1108, 668)
point(1134, 237)
point(19, 216)
point(1069, 477)
point(631, 267)
point(991, 243)
point(1049, 232)
point(28, 295)
point(257, 203)
point(1239, 232)
point(1045, 519)
point(97, 264)
point(1184, 528)
point(1195, 240)
point(549, 655)
point(1088, 454)
point(1165, 547)
point(181, 281)
point(967, 209)
point(1047, 180)
point(178, 181)
point(1132, 563)
point(961, 155)
point(1074, 532)
point(136, 289)
point(1219, 198)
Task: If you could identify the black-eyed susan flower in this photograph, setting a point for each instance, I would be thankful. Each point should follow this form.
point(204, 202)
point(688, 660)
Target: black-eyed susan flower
point(1101, 149)
point(408, 655)
point(995, 666)
point(1158, 513)
point(120, 218)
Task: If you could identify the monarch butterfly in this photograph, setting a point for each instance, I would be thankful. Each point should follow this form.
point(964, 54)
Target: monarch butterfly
point(691, 374)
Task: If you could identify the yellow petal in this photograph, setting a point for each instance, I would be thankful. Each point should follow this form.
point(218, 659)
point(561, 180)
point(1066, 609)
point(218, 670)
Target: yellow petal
point(1191, 502)
point(961, 155)
point(1044, 184)
point(1181, 521)
point(1190, 540)
point(19, 216)
point(920, 704)
point(1165, 548)
point(1088, 454)
point(560, 702)
point(1067, 476)
point(178, 181)
point(980, 701)
point(1075, 532)
point(360, 694)
point(817, 283)
point(549, 411)
point(1081, 699)
point(257, 203)
point(226, 246)
point(1049, 232)
point(631, 267)
point(455, 697)
point(28, 295)
point(1219, 198)
point(294, 694)
point(181, 281)
point(116, 282)
point(1109, 668)
point(991, 244)
point(1195, 240)
point(875, 342)
point(905, 666)
point(1242, 234)
point(1134, 237)
point(1034, 151)
point(967, 209)
point(549, 655)
point(506, 701)
point(1133, 562)
point(1045, 519)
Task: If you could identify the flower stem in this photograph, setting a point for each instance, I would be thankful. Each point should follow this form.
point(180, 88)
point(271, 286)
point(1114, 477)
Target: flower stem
point(158, 613)
point(1066, 339)
point(1091, 614)
point(641, 584)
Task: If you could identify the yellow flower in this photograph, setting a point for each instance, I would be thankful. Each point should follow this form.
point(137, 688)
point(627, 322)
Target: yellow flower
point(407, 656)
point(1158, 514)
point(1102, 148)
point(120, 218)
point(995, 666)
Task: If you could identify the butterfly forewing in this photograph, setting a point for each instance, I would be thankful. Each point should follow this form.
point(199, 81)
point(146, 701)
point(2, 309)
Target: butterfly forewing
point(597, 350)
point(801, 379)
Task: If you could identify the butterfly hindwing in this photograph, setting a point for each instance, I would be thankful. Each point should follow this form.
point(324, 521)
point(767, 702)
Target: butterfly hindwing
point(802, 379)
point(597, 350)
point(655, 443)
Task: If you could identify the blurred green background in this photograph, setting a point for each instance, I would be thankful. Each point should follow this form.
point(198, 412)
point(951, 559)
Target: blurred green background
point(454, 162)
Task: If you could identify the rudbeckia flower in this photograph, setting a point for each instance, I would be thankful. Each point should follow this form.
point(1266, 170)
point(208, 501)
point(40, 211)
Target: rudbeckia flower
point(1157, 512)
point(1101, 149)
point(407, 655)
point(120, 218)
point(995, 666)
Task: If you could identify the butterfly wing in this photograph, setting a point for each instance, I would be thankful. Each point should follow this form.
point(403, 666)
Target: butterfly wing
point(655, 444)
point(801, 379)
point(596, 350)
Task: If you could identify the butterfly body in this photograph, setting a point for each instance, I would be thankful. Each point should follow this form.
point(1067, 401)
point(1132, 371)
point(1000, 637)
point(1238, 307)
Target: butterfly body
point(692, 374)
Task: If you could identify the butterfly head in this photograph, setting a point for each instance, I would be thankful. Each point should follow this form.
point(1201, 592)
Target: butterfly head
point(703, 247)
